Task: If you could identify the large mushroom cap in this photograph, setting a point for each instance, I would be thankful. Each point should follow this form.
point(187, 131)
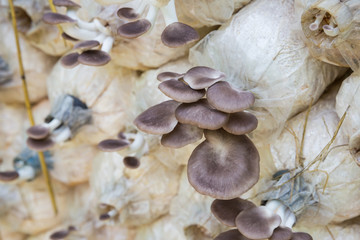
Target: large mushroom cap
point(70, 60)
point(182, 135)
point(8, 176)
point(65, 3)
point(301, 236)
point(201, 115)
point(227, 210)
point(159, 119)
point(134, 29)
point(202, 77)
point(37, 132)
point(282, 233)
point(94, 58)
point(233, 234)
point(257, 223)
point(112, 145)
point(40, 145)
point(56, 18)
point(178, 34)
point(224, 98)
point(224, 166)
point(180, 92)
point(169, 75)
point(241, 123)
point(127, 13)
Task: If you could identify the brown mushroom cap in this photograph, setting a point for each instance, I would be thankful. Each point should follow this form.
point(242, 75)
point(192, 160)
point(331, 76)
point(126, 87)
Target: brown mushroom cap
point(94, 58)
point(202, 77)
point(201, 115)
point(70, 60)
point(104, 216)
point(134, 29)
point(241, 123)
point(224, 166)
point(68, 37)
point(65, 3)
point(38, 132)
point(169, 75)
point(281, 233)
point(227, 210)
point(84, 45)
point(159, 119)
point(224, 98)
point(233, 234)
point(178, 34)
point(59, 234)
point(182, 135)
point(8, 176)
point(56, 18)
point(301, 236)
point(40, 145)
point(127, 13)
point(112, 145)
point(257, 222)
point(131, 162)
point(180, 92)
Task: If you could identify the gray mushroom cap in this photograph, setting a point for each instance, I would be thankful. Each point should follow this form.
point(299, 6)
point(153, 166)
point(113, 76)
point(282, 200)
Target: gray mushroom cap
point(159, 119)
point(40, 145)
point(7, 176)
point(169, 75)
point(131, 162)
point(112, 145)
point(127, 13)
point(202, 77)
point(94, 58)
point(70, 60)
point(134, 29)
point(178, 34)
point(257, 223)
point(282, 233)
point(241, 123)
point(38, 132)
point(68, 37)
point(65, 3)
point(56, 18)
point(59, 234)
point(233, 234)
point(182, 135)
point(227, 99)
point(201, 114)
point(84, 45)
point(227, 210)
point(180, 92)
point(224, 166)
point(301, 236)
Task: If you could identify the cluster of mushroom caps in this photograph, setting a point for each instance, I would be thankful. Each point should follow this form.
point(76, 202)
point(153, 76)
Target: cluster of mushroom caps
point(226, 164)
point(252, 222)
point(98, 32)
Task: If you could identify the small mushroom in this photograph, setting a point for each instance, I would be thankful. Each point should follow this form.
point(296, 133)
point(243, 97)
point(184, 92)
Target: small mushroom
point(301, 236)
point(70, 60)
point(201, 114)
point(62, 233)
point(227, 210)
point(40, 145)
point(257, 222)
point(127, 13)
point(94, 58)
point(56, 18)
point(282, 233)
point(38, 132)
point(85, 45)
point(177, 34)
point(224, 166)
point(131, 162)
point(180, 92)
point(68, 37)
point(202, 77)
point(233, 234)
point(224, 98)
point(65, 3)
point(112, 145)
point(182, 135)
point(169, 75)
point(8, 176)
point(159, 119)
point(134, 29)
point(241, 123)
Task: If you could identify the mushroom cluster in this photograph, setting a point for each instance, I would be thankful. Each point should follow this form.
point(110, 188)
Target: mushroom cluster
point(67, 115)
point(272, 221)
point(226, 164)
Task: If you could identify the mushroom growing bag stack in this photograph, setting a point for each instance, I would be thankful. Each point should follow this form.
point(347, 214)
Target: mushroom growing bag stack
point(271, 61)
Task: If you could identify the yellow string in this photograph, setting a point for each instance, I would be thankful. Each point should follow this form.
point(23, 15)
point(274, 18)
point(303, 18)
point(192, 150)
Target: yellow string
point(28, 106)
point(53, 9)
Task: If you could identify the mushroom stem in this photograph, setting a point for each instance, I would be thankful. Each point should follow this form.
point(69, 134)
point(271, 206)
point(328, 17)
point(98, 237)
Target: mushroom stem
point(288, 218)
point(107, 44)
point(82, 24)
point(63, 134)
point(138, 143)
point(169, 13)
point(100, 38)
point(100, 27)
point(53, 124)
point(319, 17)
point(331, 31)
point(152, 14)
point(112, 213)
point(26, 173)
